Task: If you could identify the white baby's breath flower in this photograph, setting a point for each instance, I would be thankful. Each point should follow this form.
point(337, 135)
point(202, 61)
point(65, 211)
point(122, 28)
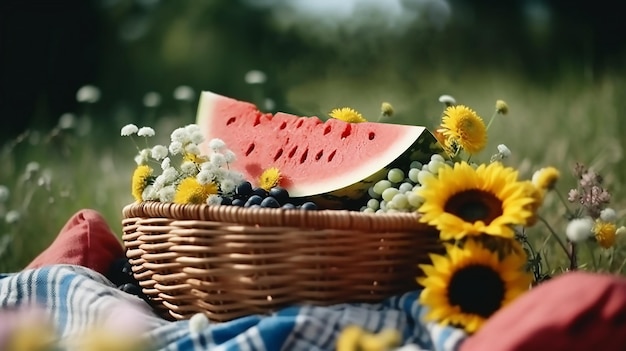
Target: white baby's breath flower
point(255, 77)
point(67, 121)
point(184, 93)
point(214, 200)
point(188, 168)
point(149, 193)
point(620, 231)
point(166, 194)
point(4, 193)
point(608, 215)
point(143, 157)
point(447, 99)
point(198, 322)
point(129, 129)
point(152, 99)
point(204, 177)
point(169, 175)
point(196, 137)
point(504, 151)
point(218, 160)
point(176, 148)
point(12, 217)
point(192, 149)
point(179, 135)
point(229, 156)
point(579, 229)
point(228, 185)
point(192, 128)
point(216, 144)
point(166, 163)
point(145, 132)
point(159, 152)
point(89, 94)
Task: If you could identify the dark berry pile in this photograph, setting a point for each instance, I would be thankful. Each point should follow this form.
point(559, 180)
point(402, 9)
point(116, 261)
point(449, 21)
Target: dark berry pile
point(120, 273)
point(247, 196)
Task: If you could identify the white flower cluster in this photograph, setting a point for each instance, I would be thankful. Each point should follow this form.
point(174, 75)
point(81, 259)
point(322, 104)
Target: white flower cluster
point(183, 158)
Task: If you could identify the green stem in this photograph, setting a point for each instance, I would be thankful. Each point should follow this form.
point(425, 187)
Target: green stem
point(593, 257)
point(556, 236)
point(565, 202)
point(492, 118)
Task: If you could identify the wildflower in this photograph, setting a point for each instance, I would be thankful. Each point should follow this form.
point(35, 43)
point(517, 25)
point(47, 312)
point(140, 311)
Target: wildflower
point(579, 229)
point(180, 136)
point(255, 77)
point(195, 158)
point(140, 179)
point(447, 100)
point(167, 193)
point(166, 163)
point(604, 233)
point(158, 152)
point(4, 193)
point(190, 191)
point(143, 157)
point(192, 149)
point(198, 322)
point(608, 215)
point(145, 132)
point(504, 151)
point(176, 148)
point(469, 284)
point(152, 99)
point(229, 156)
point(89, 94)
point(269, 178)
point(386, 109)
point(12, 217)
point(67, 121)
point(546, 178)
point(347, 114)
point(214, 200)
point(228, 185)
point(184, 93)
point(218, 160)
point(216, 144)
point(462, 201)
point(462, 127)
point(188, 168)
point(502, 107)
point(129, 129)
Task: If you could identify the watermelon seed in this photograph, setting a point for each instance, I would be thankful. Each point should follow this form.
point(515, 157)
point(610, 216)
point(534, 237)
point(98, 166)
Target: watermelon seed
point(299, 124)
point(327, 130)
point(257, 120)
point(304, 155)
point(250, 148)
point(293, 151)
point(231, 121)
point(278, 154)
point(372, 135)
point(283, 125)
point(319, 155)
point(332, 155)
point(346, 132)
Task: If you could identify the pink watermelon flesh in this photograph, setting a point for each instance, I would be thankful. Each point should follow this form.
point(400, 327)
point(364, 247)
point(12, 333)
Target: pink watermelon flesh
point(314, 157)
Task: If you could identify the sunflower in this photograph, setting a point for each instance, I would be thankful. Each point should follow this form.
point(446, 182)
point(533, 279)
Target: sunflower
point(463, 201)
point(604, 233)
point(347, 114)
point(190, 191)
point(463, 128)
point(141, 177)
point(469, 284)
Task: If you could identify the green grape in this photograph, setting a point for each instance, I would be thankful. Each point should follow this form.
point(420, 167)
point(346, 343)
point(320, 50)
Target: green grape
point(400, 201)
point(423, 175)
point(395, 175)
point(369, 210)
point(381, 186)
point(415, 164)
point(389, 193)
point(372, 193)
point(414, 199)
point(434, 166)
point(404, 187)
point(413, 174)
point(373, 204)
point(437, 157)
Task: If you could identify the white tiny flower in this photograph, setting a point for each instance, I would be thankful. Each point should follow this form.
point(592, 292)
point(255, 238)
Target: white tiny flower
point(269, 104)
point(255, 77)
point(228, 185)
point(4, 193)
point(12, 217)
point(176, 148)
point(184, 93)
point(204, 177)
point(196, 137)
point(192, 149)
point(620, 231)
point(129, 129)
point(166, 163)
point(229, 156)
point(218, 160)
point(192, 128)
point(166, 194)
point(149, 193)
point(159, 152)
point(88, 93)
point(188, 168)
point(608, 215)
point(143, 157)
point(216, 144)
point(504, 151)
point(169, 175)
point(145, 132)
point(214, 200)
point(152, 99)
point(447, 99)
point(198, 322)
point(207, 166)
point(579, 229)
point(67, 121)
point(179, 135)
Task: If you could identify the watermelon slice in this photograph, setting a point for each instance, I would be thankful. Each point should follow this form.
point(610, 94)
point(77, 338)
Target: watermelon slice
point(330, 159)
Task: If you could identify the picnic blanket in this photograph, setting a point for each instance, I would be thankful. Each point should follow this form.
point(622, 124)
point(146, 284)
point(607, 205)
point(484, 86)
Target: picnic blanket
point(77, 298)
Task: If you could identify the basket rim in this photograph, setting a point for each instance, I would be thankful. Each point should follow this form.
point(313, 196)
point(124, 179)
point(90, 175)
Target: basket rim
point(316, 219)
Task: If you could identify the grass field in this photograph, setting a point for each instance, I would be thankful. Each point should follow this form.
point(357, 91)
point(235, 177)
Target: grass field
point(51, 174)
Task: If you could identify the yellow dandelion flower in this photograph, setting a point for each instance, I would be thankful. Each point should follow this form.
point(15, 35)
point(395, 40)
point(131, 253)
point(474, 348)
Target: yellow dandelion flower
point(140, 179)
point(347, 114)
point(269, 178)
point(502, 107)
point(463, 201)
point(605, 233)
point(469, 284)
point(462, 127)
point(190, 191)
point(197, 159)
point(353, 338)
point(386, 109)
point(546, 178)
point(537, 194)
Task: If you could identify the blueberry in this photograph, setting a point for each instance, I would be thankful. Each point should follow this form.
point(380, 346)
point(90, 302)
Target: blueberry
point(259, 191)
point(308, 206)
point(289, 206)
point(244, 189)
point(227, 200)
point(270, 202)
point(280, 194)
point(132, 289)
point(238, 202)
point(253, 200)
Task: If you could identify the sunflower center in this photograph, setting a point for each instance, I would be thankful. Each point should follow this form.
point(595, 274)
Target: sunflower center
point(474, 205)
point(476, 289)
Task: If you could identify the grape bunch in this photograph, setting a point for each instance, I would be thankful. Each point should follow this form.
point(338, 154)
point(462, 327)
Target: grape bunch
point(246, 195)
point(397, 193)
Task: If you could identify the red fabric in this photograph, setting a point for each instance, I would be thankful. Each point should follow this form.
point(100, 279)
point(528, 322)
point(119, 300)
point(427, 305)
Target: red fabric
point(574, 311)
point(85, 240)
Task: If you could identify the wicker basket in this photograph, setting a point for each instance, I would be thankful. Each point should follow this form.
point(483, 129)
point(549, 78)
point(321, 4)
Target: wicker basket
point(229, 261)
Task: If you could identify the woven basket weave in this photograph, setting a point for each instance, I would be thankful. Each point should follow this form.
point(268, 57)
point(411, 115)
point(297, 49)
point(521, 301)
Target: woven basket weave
point(228, 261)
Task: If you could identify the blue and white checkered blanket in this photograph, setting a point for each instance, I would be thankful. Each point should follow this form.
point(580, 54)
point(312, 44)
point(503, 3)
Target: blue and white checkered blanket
point(77, 298)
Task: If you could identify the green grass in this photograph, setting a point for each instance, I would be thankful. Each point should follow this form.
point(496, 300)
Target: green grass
point(570, 120)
